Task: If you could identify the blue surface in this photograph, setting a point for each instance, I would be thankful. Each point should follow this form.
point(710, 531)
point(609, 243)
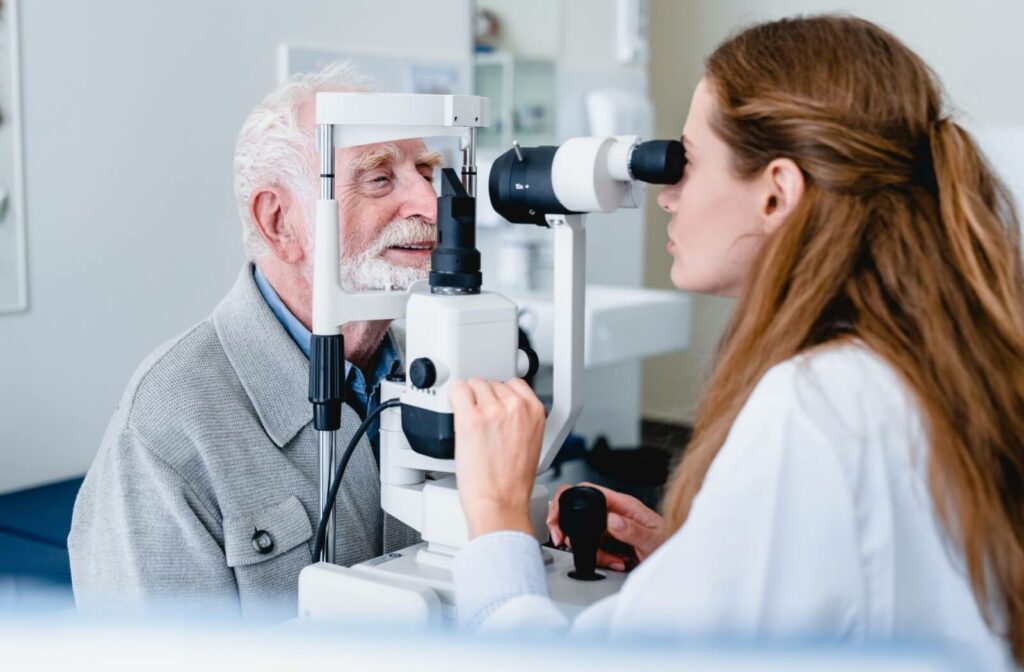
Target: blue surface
point(40, 514)
point(35, 575)
point(20, 557)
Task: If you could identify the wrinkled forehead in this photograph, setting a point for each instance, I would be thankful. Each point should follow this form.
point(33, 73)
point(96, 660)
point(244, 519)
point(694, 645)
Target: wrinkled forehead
point(369, 157)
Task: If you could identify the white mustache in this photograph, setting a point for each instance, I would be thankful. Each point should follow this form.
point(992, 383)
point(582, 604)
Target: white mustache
point(400, 233)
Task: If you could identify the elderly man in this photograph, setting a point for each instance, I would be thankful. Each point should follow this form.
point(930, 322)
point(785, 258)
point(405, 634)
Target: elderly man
point(204, 492)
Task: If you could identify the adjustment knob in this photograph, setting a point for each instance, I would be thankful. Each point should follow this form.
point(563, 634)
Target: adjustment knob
point(583, 515)
point(422, 373)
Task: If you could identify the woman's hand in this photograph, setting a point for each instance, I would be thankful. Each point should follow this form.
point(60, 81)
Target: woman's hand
point(498, 431)
point(629, 521)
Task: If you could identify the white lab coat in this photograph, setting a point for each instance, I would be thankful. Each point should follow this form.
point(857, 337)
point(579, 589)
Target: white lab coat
point(814, 520)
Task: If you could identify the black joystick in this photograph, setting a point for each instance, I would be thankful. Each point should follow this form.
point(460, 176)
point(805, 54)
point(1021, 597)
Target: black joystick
point(582, 515)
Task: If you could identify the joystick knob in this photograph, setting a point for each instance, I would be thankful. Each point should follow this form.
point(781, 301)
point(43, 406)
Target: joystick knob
point(582, 515)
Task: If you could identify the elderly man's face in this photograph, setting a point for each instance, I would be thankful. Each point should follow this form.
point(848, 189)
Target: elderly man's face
point(387, 209)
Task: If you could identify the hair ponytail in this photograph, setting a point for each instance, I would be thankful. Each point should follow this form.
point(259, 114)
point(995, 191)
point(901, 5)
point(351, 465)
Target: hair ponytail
point(978, 485)
point(978, 217)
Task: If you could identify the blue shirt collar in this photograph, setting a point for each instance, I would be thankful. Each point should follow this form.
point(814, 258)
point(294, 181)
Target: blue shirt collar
point(291, 324)
point(388, 353)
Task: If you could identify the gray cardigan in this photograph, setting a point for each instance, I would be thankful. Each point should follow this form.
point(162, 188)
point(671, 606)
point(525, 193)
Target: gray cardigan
point(211, 443)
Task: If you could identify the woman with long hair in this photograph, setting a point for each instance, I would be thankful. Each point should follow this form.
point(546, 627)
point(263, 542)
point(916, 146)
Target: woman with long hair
point(857, 461)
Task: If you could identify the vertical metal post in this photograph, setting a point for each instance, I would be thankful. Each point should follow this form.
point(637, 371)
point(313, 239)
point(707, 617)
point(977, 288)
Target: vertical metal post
point(328, 439)
point(325, 145)
point(469, 164)
point(327, 444)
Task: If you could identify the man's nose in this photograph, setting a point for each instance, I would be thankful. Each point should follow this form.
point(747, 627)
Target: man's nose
point(419, 200)
point(668, 197)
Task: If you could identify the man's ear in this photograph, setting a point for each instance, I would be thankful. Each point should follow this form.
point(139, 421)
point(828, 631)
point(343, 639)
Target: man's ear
point(271, 213)
point(784, 188)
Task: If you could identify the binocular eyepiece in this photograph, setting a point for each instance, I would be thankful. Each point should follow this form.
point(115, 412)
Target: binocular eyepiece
point(657, 161)
point(581, 175)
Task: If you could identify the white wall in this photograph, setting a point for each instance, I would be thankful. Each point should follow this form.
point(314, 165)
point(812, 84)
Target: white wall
point(131, 113)
point(976, 48)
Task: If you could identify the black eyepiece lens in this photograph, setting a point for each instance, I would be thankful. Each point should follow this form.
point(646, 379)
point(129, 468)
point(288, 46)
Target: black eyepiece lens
point(658, 161)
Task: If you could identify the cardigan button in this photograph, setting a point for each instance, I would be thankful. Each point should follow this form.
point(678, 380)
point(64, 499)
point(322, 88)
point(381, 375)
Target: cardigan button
point(262, 542)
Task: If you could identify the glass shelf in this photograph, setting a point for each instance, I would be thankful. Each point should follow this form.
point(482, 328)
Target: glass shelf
point(522, 93)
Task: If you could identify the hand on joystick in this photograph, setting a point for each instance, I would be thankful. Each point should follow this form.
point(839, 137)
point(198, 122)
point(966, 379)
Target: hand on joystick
point(583, 514)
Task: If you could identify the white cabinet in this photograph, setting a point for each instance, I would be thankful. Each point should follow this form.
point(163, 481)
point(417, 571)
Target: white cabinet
point(522, 93)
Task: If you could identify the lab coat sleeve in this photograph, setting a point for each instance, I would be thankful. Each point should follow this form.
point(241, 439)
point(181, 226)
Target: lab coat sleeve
point(142, 541)
point(771, 545)
point(499, 570)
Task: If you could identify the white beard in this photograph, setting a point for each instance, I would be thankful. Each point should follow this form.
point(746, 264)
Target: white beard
point(371, 273)
point(369, 270)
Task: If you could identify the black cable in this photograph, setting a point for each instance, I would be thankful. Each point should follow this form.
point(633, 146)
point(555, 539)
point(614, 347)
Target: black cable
point(321, 529)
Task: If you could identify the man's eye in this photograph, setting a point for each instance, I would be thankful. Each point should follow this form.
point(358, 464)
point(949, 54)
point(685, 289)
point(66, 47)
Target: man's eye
point(380, 179)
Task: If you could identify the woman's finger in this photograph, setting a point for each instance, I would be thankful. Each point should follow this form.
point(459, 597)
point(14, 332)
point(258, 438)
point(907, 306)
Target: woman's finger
point(628, 506)
point(523, 389)
point(612, 561)
point(644, 539)
point(461, 396)
point(557, 537)
point(482, 390)
point(501, 391)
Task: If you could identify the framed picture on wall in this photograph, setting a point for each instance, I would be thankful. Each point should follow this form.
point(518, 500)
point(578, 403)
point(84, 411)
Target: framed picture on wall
point(13, 247)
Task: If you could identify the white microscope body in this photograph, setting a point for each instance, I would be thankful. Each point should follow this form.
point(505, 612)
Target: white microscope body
point(453, 331)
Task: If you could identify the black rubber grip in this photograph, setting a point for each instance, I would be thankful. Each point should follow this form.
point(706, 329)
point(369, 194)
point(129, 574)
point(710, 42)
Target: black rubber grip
point(327, 380)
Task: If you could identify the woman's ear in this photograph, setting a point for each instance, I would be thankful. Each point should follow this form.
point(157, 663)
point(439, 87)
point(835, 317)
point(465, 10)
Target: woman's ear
point(271, 214)
point(784, 187)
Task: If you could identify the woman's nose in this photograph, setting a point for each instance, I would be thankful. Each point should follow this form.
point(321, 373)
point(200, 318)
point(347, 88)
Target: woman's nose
point(668, 197)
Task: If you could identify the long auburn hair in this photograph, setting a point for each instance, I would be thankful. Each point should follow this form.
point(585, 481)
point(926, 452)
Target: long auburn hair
point(904, 239)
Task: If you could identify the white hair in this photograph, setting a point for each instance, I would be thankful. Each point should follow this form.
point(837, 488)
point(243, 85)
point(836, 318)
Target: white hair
point(275, 148)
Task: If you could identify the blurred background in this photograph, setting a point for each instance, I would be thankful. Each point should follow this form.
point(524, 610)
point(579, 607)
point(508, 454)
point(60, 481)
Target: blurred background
point(119, 230)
